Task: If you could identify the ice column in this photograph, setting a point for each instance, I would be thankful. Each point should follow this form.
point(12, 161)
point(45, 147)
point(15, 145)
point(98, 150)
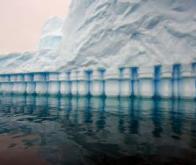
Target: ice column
point(112, 83)
point(41, 83)
point(166, 83)
point(157, 80)
point(74, 80)
point(65, 83)
point(187, 88)
point(134, 81)
point(176, 80)
point(194, 77)
point(6, 85)
point(89, 81)
point(30, 84)
point(82, 83)
point(19, 85)
point(98, 84)
point(146, 75)
point(124, 82)
point(53, 84)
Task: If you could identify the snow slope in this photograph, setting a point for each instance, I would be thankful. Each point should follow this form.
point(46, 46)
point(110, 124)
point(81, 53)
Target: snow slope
point(113, 33)
point(129, 33)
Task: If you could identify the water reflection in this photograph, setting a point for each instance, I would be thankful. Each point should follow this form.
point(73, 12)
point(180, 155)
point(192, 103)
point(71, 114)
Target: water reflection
point(99, 129)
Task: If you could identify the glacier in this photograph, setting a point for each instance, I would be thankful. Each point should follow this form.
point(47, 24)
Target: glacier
point(125, 33)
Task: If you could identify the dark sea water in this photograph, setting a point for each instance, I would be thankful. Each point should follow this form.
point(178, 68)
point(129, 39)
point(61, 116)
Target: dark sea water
point(42, 130)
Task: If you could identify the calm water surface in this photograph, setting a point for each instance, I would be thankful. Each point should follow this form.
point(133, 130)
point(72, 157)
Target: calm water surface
point(43, 130)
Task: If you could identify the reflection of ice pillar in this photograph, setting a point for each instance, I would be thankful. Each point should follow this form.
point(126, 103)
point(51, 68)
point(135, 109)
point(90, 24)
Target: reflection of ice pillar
point(124, 83)
point(68, 108)
point(134, 81)
point(74, 81)
point(194, 77)
point(134, 115)
point(88, 112)
point(82, 83)
point(65, 83)
point(146, 75)
point(193, 128)
point(41, 83)
point(99, 104)
point(176, 80)
point(176, 117)
point(98, 83)
point(187, 88)
point(19, 102)
point(157, 81)
point(121, 122)
point(76, 114)
point(156, 118)
point(112, 83)
point(53, 84)
point(166, 83)
point(30, 104)
point(41, 103)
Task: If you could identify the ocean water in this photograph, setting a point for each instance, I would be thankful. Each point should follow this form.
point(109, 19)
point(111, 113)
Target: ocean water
point(45, 130)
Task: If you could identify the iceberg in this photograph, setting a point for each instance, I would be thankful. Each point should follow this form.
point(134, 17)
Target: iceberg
point(110, 48)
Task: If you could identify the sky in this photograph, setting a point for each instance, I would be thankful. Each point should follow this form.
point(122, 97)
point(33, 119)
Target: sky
point(21, 22)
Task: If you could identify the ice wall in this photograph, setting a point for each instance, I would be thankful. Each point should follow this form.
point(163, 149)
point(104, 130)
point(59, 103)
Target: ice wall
point(162, 81)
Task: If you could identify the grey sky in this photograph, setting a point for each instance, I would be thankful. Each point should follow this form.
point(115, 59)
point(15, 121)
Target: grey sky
point(22, 20)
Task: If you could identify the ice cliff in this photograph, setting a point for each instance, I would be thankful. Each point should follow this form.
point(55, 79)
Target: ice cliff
point(113, 33)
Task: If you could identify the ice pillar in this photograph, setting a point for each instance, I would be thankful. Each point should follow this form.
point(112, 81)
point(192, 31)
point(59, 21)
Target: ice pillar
point(6, 85)
point(98, 84)
point(176, 80)
point(74, 81)
point(30, 84)
point(146, 75)
point(89, 81)
point(65, 83)
point(41, 80)
point(82, 83)
point(166, 83)
point(134, 81)
point(112, 87)
point(53, 84)
point(124, 82)
point(19, 85)
point(157, 81)
point(194, 77)
point(187, 88)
